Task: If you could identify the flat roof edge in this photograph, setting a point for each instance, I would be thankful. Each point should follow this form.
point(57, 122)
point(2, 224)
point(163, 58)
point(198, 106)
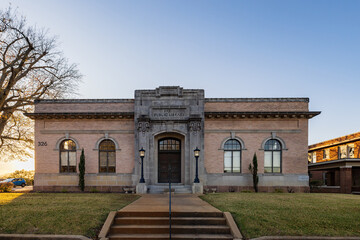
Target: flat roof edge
point(335, 141)
point(125, 100)
point(131, 100)
point(257, 100)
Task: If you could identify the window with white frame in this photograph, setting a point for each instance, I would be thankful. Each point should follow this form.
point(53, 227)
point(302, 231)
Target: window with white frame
point(232, 156)
point(326, 153)
point(107, 157)
point(343, 151)
point(309, 157)
point(351, 150)
point(313, 157)
point(67, 156)
point(272, 156)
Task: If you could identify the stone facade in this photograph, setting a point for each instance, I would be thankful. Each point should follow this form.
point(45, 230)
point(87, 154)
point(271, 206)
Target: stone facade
point(176, 115)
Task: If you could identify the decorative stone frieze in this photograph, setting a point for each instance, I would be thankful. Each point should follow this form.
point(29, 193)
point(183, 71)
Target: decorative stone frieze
point(194, 126)
point(143, 127)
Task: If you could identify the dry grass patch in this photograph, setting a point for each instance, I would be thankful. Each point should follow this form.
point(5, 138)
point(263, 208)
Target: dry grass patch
point(58, 213)
point(276, 214)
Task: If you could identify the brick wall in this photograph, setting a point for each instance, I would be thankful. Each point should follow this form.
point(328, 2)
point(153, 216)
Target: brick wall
point(253, 133)
point(86, 133)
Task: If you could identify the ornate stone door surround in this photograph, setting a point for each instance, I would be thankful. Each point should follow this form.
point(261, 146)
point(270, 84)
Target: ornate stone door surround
point(163, 112)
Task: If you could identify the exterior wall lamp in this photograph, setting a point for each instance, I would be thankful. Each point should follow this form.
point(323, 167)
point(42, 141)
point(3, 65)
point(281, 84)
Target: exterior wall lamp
point(142, 155)
point(196, 154)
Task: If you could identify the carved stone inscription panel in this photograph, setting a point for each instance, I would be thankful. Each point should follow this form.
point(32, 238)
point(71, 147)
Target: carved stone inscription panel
point(169, 113)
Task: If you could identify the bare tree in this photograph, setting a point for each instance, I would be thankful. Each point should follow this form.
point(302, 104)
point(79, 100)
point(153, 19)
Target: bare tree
point(31, 67)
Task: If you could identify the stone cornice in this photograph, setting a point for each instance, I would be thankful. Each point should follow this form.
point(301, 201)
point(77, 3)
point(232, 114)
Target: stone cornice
point(81, 115)
point(256, 99)
point(131, 100)
point(84, 101)
point(306, 115)
point(130, 115)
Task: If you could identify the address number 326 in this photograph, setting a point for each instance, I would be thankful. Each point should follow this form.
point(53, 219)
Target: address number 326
point(42, 144)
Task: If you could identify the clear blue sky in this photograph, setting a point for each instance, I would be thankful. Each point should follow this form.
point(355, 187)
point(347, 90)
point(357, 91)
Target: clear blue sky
point(229, 48)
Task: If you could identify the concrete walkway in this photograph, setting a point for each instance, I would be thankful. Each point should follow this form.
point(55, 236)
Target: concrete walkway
point(26, 189)
point(160, 203)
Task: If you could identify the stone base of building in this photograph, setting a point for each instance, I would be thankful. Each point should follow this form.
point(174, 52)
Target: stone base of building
point(326, 189)
point(71, 181)
point(56, 182)
point(91, 189)
point(287, 189)
point(206, 189)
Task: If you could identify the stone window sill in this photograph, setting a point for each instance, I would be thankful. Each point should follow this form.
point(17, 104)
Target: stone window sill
point(273, 174)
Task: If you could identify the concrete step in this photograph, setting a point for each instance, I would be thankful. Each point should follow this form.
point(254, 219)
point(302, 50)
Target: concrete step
point(154, 225)
point(173, 236)
point(175, 229)
point(173, 214)
point(178, 188)
point(174, 220)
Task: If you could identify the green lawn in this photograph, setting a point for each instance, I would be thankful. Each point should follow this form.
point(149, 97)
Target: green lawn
point(275, 214)
point(58, 213)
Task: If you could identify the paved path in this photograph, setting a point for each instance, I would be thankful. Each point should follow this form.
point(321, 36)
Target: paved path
point(160, 203)
point(23, 189)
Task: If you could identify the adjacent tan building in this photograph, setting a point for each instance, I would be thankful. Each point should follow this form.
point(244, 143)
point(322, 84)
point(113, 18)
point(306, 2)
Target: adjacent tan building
point(334, 165)
point(169, 123)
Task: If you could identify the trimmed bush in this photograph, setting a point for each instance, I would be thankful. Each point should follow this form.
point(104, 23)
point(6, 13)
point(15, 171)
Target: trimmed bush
point(6, 187)
point(82, 171)
point(278, 190)
point(254, 169)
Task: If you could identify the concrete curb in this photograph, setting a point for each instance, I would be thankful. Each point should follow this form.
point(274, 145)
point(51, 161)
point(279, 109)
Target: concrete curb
point(107, 225)
point(304, 237)
point(41, 237)
point(233, 227)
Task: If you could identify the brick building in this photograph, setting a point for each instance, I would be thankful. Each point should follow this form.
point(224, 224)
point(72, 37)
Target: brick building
point(169, 123)
point(335, 164)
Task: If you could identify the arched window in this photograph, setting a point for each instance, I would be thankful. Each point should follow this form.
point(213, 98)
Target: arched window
point(232, 156)
point(67, 156)
point(272, 156)
point(107, 157)
point(169, 144)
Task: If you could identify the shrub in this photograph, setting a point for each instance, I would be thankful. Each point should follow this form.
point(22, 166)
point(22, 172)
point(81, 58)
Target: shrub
point(82, 171)
point(290, 190)
point(278, 190)
point(94, 190)
point(247, 191)
point(254, 169)
point(315, 184)
point(6, 187)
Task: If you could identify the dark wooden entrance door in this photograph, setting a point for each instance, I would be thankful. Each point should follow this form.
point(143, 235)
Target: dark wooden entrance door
point(169, 157)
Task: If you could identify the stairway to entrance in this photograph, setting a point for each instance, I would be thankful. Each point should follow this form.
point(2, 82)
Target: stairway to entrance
point(155, 225)
point(148, 218)
point(178, 188)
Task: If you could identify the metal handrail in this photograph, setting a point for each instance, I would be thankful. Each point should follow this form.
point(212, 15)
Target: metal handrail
point(169, 176)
